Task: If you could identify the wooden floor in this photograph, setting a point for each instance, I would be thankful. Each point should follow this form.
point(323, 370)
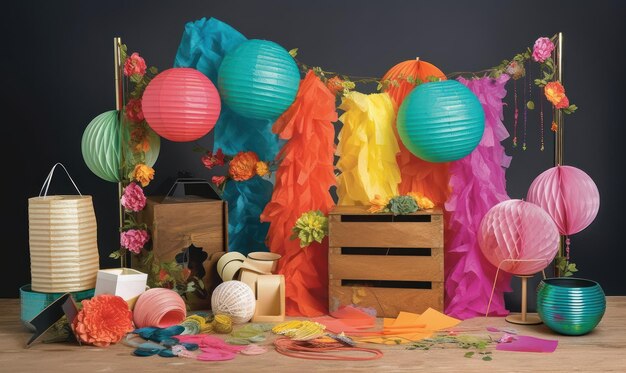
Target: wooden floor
point(603, 350)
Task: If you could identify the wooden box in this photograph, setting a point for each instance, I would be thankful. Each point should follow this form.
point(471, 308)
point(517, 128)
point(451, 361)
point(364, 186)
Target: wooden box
point(177, 223)
point(390, 263)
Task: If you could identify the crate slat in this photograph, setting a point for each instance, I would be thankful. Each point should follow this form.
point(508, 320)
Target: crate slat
point(387, 302)
point(386, 267)
point(385, 234)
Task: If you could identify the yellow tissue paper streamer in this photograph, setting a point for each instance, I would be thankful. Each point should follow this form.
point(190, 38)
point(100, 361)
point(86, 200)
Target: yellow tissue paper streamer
point(367, 149)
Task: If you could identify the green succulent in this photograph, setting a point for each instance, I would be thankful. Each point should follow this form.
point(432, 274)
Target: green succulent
point(402, 205)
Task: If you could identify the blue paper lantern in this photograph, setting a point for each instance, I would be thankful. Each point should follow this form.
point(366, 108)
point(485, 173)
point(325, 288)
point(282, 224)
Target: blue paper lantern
point(441, 121)
point(259, 79)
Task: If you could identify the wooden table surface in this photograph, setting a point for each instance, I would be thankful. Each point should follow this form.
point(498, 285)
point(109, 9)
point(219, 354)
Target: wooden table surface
point(603, 350)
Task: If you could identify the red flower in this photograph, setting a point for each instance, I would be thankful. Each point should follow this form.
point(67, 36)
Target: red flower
point(218, 180)
point(563, 103)
point(133, 111)
point(103, 320)
point(162, 275)
point(134, 65)
point(211, 160)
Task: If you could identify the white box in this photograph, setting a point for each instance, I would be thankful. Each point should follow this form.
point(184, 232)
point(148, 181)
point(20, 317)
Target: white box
point(124, 282)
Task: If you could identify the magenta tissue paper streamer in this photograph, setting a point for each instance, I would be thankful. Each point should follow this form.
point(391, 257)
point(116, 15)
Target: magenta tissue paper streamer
point(477, 183)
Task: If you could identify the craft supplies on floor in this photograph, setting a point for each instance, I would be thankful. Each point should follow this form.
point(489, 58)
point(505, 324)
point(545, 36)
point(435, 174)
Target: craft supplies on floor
point(324, 350)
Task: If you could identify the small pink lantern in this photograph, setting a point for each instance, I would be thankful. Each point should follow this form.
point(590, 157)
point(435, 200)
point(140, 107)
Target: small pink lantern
point(181, 104)
point(568, 195)
point(518, 237)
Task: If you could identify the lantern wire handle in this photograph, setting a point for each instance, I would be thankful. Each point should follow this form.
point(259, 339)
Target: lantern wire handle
point(495, 280)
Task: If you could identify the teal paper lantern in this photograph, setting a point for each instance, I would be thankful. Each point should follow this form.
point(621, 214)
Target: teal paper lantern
point(101, 148)
point(441, 121)
point(258, 80)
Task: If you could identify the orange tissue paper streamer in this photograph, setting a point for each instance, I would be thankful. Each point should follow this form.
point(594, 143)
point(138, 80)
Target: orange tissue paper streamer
point(303, 180)
point(419, 176)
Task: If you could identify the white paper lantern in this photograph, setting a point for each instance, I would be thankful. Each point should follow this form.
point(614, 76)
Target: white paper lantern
point(235, 299)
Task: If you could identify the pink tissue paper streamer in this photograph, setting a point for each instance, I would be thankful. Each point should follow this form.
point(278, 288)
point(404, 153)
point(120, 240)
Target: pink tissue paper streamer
point(477, 183)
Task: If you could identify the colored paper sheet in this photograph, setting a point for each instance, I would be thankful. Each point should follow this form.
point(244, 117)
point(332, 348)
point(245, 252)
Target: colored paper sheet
point(435, 320)
point(525, 343)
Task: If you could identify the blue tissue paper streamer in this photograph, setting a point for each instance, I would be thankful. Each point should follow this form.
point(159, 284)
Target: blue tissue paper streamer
point(203, 47)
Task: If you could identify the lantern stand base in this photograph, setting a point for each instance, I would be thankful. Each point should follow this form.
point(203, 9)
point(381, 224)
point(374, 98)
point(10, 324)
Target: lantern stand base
point(524, 318)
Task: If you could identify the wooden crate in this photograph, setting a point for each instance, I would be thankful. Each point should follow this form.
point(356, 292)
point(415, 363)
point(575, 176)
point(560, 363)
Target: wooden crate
point(390, 263)
point(176, 224)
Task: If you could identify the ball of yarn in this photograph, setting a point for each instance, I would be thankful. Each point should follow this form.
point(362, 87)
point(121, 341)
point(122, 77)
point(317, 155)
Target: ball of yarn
point(235, 299)
point(159, 307)
point(222, 324)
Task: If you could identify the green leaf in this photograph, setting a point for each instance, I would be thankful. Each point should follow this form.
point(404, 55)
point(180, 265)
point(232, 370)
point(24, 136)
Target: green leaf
point(530, 105)
point(153, 70)
point(116, 254)
point(379, 86)
point(469, 354)
point(293, 52)
point(487, 358)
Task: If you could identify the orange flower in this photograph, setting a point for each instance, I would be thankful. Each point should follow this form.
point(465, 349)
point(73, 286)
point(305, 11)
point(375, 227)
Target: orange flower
point(423, 202)
point(104, 319)
point(243, 166)
point(334, 84)
point(378, 204)
point(554, 127)
point(143, 174)
point(163, 275)
point(555, 93)
point(262, 168)
point(139, 137)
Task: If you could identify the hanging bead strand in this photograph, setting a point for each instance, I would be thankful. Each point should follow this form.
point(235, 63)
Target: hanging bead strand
point(515, 114)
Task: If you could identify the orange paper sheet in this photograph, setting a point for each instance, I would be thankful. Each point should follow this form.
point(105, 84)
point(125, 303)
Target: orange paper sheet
point(410, 327)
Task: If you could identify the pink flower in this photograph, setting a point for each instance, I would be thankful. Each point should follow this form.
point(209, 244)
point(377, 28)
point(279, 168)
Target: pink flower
point(543, 49)
point(134, 65)
point(134, 240)
point(133, 111)
point(133, 198)
point(218, 180)
point(211, 160)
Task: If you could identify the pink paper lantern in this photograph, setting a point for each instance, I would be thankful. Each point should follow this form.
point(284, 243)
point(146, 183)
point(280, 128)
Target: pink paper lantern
point(568, 195)
point(521, 231)
point(181, 104)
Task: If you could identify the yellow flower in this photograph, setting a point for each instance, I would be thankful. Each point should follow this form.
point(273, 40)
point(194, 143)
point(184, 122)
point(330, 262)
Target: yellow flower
point(143, 174)
point(243, 166)
point(378, 204)
point(424, 203)
point(262, 168)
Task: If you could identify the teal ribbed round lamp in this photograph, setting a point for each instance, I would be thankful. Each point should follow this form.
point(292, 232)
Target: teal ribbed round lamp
point(441, 121)
point(259, 79)
point(101, 148)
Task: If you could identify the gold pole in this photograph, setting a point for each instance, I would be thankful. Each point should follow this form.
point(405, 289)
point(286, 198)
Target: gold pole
point(558, 135)
point(119, 104)
point(524, 318)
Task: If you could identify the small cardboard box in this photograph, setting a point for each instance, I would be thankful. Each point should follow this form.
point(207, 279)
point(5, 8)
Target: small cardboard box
point(192, 214)
point(124, 282)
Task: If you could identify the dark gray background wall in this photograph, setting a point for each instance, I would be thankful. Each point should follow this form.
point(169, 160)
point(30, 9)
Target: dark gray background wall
point(58, 75)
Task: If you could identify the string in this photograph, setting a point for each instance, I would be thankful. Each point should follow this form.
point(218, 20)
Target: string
point(46, 183)
point(318, 351)
point(529, 78)
point(495, 280)
point(516, 114)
